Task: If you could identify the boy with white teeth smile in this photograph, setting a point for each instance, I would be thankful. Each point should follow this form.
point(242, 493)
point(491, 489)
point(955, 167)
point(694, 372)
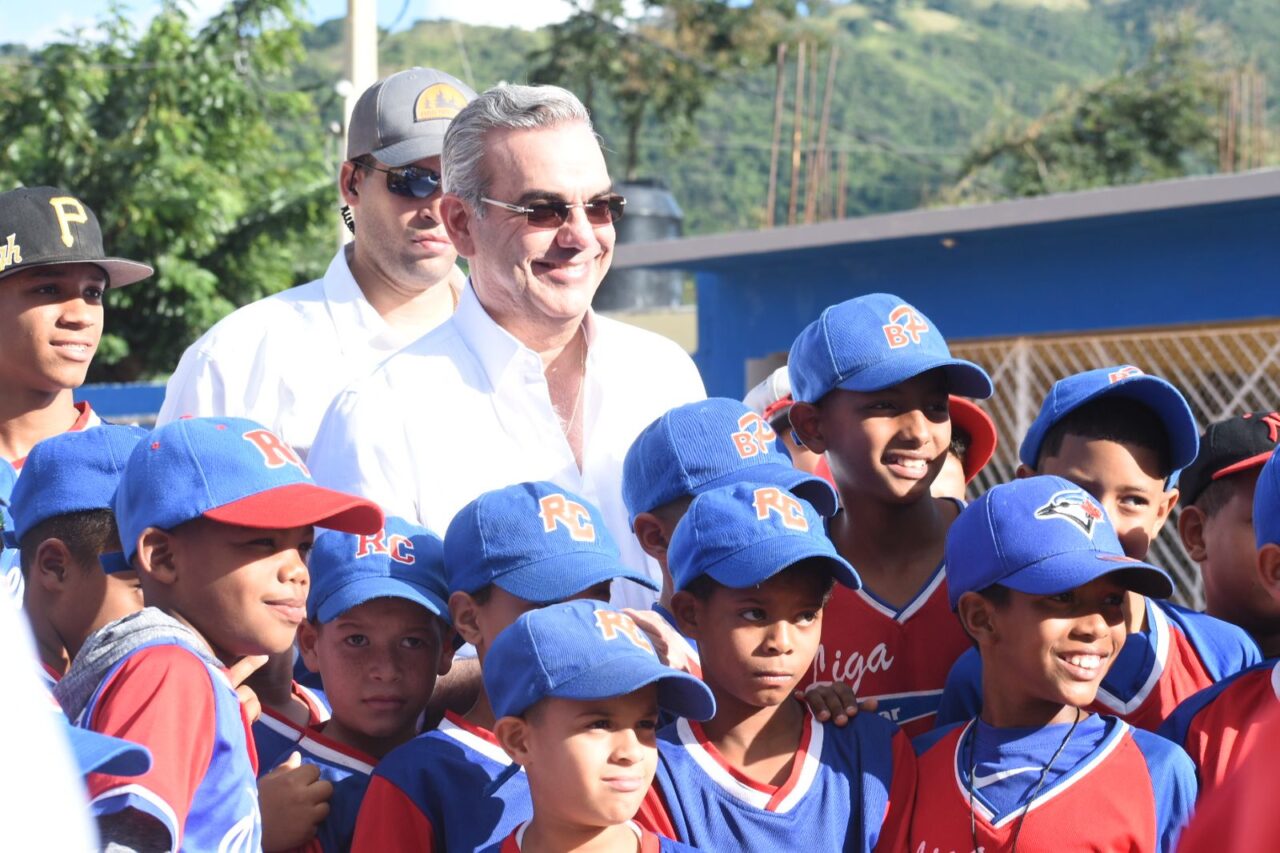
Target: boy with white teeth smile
point(1038, 579)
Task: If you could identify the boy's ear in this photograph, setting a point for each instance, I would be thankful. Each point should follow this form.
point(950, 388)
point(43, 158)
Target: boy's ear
point(446, 647)
point(687, 609)
point(308, 637)
point(649, 533)
point(1191, 523)
point(1269, 569)
point(52, 562)
point(1167, 502)
point(977, 616)
point(156, 557)
point(512, 734)
point(806, 421)
point(462, 610)
point(1023, 472)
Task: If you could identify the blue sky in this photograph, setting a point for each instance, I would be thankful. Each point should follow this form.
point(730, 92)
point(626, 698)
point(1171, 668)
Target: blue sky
point(31, 23)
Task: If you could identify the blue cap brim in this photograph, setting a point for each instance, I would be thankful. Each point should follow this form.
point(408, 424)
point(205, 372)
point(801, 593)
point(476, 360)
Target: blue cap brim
point(678, 693)
point(99, 753)
point(9, 539)
point(964, 378)
point(765, 558)
point(562, 576)
point(1064, 572)
point(809, 487)
point(361, 590)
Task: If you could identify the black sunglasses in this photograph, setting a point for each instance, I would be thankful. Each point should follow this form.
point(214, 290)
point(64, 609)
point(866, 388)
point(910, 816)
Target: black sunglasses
point(554, 214)
point(408, 181)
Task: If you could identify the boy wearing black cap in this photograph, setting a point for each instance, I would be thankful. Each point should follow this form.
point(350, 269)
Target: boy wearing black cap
point(53, 276)
point(1216, 522)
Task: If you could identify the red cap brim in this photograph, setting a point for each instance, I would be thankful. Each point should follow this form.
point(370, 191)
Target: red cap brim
point(302, 505)
point(1243, 465)
point(970, 417)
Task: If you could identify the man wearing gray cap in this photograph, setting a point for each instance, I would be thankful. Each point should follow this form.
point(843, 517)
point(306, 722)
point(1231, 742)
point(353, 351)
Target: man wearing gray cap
point(281, 360)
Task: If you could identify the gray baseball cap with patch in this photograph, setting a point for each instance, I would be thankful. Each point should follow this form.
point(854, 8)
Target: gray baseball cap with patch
point(403, 118)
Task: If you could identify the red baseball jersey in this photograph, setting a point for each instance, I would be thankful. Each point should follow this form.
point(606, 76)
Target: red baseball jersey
point(649, 842)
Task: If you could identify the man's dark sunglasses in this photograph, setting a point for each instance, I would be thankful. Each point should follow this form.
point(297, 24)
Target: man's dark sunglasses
point(554, 214)
point(408, 181)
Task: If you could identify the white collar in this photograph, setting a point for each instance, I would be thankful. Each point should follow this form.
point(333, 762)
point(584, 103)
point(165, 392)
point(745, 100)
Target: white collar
point(356, 322)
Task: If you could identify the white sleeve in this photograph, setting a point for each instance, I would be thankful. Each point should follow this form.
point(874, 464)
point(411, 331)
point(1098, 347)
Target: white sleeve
point(196, 388)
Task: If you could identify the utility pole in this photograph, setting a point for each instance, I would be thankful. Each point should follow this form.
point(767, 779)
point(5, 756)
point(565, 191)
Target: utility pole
point(362, 69)
point(771, 200)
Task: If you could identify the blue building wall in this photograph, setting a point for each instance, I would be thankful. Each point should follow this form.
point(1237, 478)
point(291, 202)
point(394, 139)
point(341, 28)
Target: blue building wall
point(1182, 266)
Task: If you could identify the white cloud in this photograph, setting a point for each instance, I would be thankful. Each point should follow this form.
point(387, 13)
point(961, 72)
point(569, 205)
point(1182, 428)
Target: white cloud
point(526, 14)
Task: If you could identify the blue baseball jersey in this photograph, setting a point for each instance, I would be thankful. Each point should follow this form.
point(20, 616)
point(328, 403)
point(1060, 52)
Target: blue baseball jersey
point(430, 794)
point(11, 579)
point(274, 733)
point(1114, 787)
point(850, 788)
point(1220, 725)
point(1178, 654)
point(202, 783)
point(348, 770)
point(650, 842)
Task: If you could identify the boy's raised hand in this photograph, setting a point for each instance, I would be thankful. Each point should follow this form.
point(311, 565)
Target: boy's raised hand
point(834, 701)
point(237, 674)
point(665, 640)
point(293, 800)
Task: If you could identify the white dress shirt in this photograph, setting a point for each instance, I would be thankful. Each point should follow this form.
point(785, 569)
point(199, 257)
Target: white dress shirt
point(465, 409)
point(281, 360)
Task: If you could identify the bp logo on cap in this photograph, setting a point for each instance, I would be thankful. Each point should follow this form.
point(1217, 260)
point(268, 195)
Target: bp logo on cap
point(773, 500)
point(558, 510)
point(1076, 507)
point(438, 101)
point(753, 436)
point(1126, 372)
point(905, 327)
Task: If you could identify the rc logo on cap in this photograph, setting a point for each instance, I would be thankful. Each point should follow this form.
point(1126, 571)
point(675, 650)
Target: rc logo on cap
point(753, 436)
point(1126, 372)
point(612, 624)
point(438, 101)
point(558, 509)
point(1076, 507)
point(395, 546)
point(905, 326)
point(275, 453)
point(769, 500)
point(10, 253)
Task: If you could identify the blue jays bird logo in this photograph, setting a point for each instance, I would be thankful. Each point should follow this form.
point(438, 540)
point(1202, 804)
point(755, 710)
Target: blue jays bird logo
point(1076, 507)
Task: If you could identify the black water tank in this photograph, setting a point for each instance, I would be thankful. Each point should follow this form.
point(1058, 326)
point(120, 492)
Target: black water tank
point(652, 214)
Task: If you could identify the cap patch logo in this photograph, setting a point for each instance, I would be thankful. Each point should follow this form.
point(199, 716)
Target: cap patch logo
point(1271, 419)
point(395, 546)
point(770, 499)
point(438, 101)
point(753, 437)
point(905, 326)
point(275, 453)
point(1123, 373)
point(558, 510)
point(68, 210)
point(612, 624)
point(10, 253)
point(1076, 507)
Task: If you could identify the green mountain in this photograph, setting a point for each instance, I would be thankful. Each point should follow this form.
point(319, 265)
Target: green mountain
point(915, 84)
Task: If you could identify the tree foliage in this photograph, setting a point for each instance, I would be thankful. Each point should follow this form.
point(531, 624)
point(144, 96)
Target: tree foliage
point(1153, 121)
point(174, 136)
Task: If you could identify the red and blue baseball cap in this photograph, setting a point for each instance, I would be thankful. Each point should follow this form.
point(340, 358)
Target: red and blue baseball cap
point(1121, 380)
point(1042, 536)
point(584, 650)
point(873, 342)
point(1266, 504)
point(744, 534)
point(706, 445)
point(535, 540)
point(1240, 443)
point(401, 560)
point(71, 472)
point(229, 470)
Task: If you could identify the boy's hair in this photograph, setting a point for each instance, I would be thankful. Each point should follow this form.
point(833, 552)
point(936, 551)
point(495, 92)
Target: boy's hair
point(87, 534)
point(703, 586)
point(997, 594)
point(1216, 495)
point(960, 441)
point(1117, 419)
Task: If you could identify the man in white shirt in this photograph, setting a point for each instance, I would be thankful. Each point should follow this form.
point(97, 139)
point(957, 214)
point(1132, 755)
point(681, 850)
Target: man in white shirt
point(281, 360)
point(524, 381)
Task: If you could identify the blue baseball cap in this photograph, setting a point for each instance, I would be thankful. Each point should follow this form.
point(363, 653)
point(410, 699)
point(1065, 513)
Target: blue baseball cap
point(536, 540)
point(230, 470)
point(1042, 536)
point(1122, 380)
point(95, 752)
point(744, 534)
point(1266, 503)
point(401, 560)
point(708, 444)
point(583, 650)
point(71, 472)
point(870, 343)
